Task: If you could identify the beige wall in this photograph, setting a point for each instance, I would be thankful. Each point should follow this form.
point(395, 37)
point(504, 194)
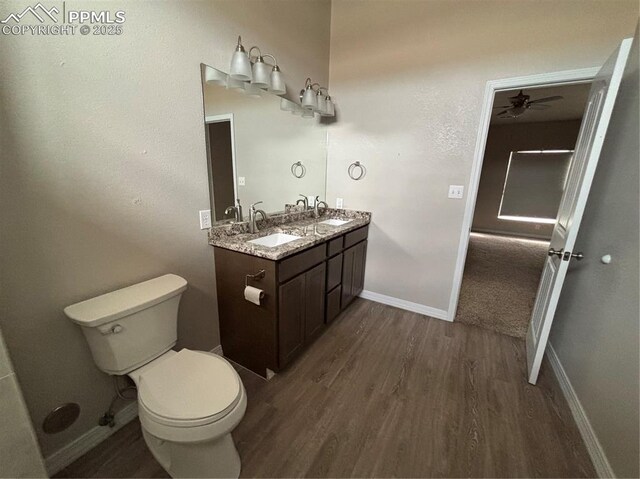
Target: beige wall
point(19, 452)
point(267, 142)
point(501, 141)
point(408, 78)
point(595, 333)
point(104, 170)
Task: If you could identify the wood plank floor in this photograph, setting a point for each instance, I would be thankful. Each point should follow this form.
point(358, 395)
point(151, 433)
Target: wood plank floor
point(389, 393)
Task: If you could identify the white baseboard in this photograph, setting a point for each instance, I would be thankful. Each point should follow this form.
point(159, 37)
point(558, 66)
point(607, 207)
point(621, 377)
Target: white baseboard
point(90, 439)
point(217, 350)
point(598, 457)
point(407, 305)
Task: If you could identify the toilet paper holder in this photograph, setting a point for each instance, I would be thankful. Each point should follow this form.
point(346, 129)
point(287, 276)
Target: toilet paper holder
point(256, 277)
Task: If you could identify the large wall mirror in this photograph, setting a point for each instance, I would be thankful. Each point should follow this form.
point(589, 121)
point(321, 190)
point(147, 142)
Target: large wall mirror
point(256, 151)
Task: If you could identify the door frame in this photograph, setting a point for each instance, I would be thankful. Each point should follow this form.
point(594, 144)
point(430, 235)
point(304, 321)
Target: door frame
point(219, 119)
point(583, 75)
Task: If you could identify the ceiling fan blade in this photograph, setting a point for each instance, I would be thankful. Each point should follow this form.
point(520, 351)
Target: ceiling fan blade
point(502, 113)
point(503, 106)
point(539, 106)
point(550, 98)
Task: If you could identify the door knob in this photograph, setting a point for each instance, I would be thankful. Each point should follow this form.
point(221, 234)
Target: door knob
point(558, 253)
point(578, 256)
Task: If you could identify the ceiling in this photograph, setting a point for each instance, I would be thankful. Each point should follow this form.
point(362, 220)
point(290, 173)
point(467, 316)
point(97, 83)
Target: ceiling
point(569, 108)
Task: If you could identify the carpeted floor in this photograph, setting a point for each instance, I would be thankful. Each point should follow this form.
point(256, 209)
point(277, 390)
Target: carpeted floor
point(500, 282)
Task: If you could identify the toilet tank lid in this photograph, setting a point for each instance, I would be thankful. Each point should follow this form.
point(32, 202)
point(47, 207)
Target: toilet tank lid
point(123, 302)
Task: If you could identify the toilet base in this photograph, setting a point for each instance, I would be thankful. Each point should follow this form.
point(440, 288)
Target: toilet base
point(215, 458)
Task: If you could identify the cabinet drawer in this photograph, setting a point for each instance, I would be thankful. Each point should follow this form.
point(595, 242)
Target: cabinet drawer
point(335, 246)
point(334, 272)
point(294, 265)
point(356, 236)
point(333, 304)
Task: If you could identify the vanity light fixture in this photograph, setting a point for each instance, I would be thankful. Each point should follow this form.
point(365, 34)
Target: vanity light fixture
point(246, 67)
point(315, 98)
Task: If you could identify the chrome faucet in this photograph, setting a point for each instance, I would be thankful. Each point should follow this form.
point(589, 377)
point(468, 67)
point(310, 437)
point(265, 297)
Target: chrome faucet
point(305, 202)
point(316, 211)
point(253, 227)
point(237, 211)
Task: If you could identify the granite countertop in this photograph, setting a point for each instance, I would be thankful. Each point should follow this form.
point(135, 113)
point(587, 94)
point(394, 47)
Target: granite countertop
point(236, 238)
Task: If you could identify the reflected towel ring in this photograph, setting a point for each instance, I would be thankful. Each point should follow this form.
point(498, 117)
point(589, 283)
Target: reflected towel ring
point(298, 170)
point(352, 171)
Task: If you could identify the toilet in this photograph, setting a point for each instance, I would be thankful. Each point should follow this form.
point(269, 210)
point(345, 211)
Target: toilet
point(188, 401)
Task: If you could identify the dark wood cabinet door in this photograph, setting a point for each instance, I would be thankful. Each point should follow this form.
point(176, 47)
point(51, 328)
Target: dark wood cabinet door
point(291, 321)
point(358, 268)
point(314, 301)
point(347, 277)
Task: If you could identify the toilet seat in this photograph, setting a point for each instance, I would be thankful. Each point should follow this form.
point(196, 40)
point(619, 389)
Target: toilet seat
point(189, 389)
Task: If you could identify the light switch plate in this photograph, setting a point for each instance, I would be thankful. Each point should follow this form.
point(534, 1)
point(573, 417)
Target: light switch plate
point(205, 219)
point(241, 181)
point(456, 191)
point(339, 203)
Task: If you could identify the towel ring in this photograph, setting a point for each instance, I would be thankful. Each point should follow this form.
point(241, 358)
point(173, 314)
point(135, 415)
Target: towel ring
point(353, 168)
point(298, 169)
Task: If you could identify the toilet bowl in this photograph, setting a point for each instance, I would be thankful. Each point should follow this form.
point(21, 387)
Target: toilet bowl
point(188, 401)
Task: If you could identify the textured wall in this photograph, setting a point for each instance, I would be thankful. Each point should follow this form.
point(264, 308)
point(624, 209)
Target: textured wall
point(502, 140)
point(408, 78)
point(595, 332)
point(104, 170)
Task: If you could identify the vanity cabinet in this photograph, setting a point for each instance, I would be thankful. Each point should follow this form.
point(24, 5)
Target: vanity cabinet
point(302, 294)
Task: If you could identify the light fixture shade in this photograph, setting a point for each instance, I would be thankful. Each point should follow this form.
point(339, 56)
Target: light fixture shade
point(307, 113)
point(251, 89)
point(240, 66)
point(261, 74)
point(322, 104)
point(309, 100)
point(215, 77)
point(277, 82)
point(330, 108)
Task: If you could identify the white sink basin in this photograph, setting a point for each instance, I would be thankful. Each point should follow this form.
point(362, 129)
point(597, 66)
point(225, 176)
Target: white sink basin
point(333, 222)
point(276, 239)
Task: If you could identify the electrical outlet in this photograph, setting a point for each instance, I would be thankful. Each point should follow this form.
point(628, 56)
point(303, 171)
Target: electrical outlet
point(456, 191)
point(339, 203)
point(241, 181)
point(205, 219)
point(311, 201)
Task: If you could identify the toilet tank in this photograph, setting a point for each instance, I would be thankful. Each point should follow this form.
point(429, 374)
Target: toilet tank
point(129, 327)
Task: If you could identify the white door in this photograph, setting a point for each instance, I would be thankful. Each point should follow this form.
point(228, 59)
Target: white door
point(585, 160)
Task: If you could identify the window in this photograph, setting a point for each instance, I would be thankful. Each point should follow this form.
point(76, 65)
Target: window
point(533, 185)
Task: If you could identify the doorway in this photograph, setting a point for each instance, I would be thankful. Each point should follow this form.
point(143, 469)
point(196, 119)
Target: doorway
point(221, 163)
point(529, 147)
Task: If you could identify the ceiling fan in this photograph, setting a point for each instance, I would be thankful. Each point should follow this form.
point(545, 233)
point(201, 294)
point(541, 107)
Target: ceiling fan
point(521, 103)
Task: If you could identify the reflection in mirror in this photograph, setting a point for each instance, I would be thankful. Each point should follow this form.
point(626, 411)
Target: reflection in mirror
point(253, 147)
